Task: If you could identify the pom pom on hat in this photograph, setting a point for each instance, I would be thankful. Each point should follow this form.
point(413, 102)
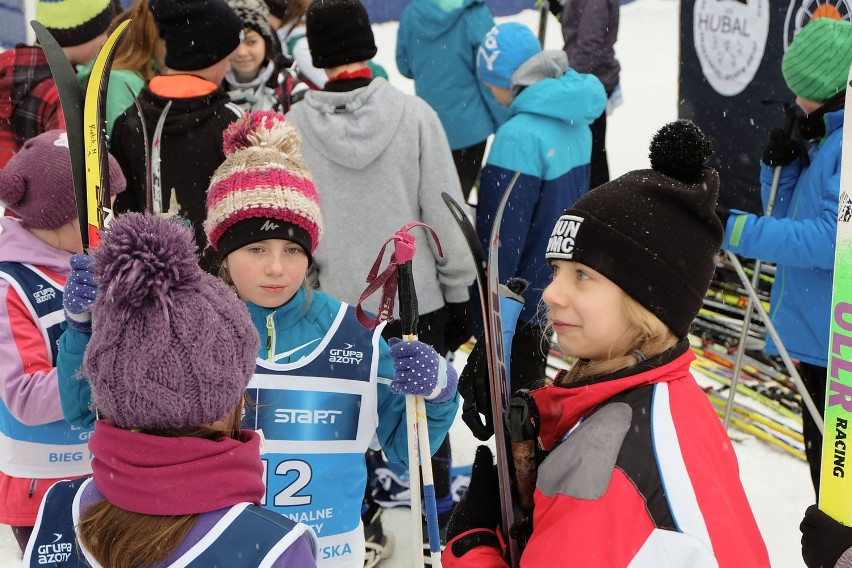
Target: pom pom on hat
point(263, 189)
point(12, 188)
point(262, 129)
point(172, 346)
point(680, 150)
point(654, 233)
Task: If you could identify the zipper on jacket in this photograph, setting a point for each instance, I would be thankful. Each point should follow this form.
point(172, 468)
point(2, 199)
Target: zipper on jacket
point(270, 338)
point(33, 485)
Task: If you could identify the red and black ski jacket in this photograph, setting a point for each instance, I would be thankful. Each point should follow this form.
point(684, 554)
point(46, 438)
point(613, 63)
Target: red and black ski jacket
point(641, 474)
point(29, 101)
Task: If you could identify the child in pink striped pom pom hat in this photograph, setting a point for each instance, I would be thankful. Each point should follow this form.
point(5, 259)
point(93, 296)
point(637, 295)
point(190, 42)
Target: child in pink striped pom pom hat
point(324, 385)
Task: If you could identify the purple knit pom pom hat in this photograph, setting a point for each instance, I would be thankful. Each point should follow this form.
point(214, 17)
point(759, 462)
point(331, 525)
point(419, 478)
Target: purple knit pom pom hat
point(263, 189)
point(37, 185)
point(172, 346)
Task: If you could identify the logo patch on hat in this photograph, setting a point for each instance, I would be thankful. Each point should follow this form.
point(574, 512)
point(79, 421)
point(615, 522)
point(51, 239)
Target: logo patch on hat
point(562, 239)
point(488, 50)
point(269, 226)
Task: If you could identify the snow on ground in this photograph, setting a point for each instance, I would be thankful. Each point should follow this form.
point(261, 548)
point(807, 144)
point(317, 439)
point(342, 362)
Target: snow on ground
point(778, 485)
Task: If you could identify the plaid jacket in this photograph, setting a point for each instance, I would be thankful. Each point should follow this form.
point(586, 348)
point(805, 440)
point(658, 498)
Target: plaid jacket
point(29, 101)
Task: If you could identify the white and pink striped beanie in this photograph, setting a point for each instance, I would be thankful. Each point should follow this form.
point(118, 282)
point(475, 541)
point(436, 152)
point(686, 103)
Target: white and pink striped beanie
point(262, 190)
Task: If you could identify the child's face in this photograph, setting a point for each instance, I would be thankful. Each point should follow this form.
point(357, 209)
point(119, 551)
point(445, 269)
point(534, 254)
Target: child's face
point(501, 95)
point(246, 59)
point(268, 273)
point(586, 310)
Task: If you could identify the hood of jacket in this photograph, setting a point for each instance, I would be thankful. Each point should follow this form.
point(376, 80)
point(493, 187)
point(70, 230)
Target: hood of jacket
point(19, 245)
point(434, 17)
point(560, 407)
point(16, 81)
point(351, 128)
point(186, 113)
point(546, 86)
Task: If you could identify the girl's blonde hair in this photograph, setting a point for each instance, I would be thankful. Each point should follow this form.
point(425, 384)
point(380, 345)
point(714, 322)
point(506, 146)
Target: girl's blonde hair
point(137, 49)
point(122, 539)
point(650, 337)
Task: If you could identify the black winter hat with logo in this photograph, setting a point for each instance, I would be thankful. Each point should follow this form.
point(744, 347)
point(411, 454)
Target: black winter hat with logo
point(338, 33)
point(653, 232)
point(198, 33)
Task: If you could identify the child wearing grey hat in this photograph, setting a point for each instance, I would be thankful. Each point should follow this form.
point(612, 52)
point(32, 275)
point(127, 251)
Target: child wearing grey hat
point(175, 480)
point(258, 76)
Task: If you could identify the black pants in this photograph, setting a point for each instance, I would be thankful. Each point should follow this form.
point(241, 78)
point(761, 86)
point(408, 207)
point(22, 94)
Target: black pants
point(468, 163)
point(431, 331)
point(814, 378)
point(599, 163)
point(22, 535)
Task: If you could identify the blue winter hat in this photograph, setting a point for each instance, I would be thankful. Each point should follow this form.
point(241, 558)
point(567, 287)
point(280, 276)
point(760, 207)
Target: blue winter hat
point(505, 48)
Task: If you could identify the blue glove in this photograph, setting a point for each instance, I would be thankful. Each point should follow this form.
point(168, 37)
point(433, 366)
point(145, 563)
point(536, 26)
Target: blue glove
point(80, 293)
point(419, 370)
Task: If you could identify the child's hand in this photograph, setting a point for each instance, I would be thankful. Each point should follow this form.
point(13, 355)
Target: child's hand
point(421, 371)
point(80, 293)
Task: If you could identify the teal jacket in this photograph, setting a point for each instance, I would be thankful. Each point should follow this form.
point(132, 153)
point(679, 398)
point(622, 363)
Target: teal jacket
point(295, 328)
point(436, 45)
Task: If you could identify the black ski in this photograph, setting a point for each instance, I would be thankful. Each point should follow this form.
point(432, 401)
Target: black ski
point(71, 99)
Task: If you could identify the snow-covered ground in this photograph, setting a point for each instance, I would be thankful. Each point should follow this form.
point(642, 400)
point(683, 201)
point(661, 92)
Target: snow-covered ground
point(778, 485)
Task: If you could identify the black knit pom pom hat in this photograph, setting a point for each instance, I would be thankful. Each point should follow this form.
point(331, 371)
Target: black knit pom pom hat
point(654, 232)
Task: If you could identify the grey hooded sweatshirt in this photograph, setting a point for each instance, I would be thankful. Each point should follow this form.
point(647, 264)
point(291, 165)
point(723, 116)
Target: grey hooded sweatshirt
point(380, 159)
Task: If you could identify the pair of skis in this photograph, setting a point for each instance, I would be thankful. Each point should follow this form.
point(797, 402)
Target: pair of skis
point(487, 279)
point(85, 123)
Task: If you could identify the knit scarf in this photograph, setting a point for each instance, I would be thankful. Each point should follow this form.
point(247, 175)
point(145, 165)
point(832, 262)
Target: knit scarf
point(156, 475)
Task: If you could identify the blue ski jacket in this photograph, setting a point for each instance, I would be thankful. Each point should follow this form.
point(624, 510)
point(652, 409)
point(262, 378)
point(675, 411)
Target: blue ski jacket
point(436, 45)
point(800, 236)
point(550, 143)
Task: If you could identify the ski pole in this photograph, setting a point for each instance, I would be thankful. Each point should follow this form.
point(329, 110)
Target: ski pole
point(415, 409)
point(782, 351)
point(543, 9)
point(154, 174)
point(399, 274)
point(755, 279)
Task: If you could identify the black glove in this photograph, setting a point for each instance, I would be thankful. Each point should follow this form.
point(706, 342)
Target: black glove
point(476, 392)
point(556, 7)
point(824, 540)
point(479, 507)
point(781, 149)
point(459, 328)
point(723, 213)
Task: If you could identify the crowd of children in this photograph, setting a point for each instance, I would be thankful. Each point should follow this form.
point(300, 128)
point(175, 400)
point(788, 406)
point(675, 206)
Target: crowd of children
point(197, 390)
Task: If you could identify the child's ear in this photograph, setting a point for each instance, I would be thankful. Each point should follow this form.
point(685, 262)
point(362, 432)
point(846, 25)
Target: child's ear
point(13, 188)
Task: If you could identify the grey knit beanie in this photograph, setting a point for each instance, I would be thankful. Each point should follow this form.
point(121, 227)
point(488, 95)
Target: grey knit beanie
point(172, 346)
